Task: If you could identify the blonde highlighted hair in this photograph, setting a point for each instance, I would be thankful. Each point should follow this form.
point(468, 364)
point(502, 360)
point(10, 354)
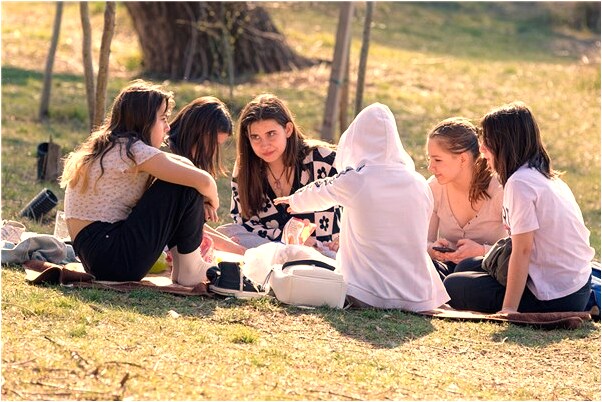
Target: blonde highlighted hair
point(132, 116)
point(458, 135)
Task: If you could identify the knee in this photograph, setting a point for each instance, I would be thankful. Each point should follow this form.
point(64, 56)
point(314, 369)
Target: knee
point(469, 264)
point(454, 283)
point(165, 187)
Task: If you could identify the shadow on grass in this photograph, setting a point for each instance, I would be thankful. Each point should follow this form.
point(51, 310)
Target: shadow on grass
point(21, 77)
point(145, 302)
point(536, 338)
point(383, 329)
point(475, 30)
point(390, 328)
point(140, 301)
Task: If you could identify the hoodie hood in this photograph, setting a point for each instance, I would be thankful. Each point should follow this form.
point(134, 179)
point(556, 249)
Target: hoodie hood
point(372, 139)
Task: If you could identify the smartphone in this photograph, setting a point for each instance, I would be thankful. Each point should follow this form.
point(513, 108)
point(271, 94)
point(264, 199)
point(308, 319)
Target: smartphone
point(443, 249)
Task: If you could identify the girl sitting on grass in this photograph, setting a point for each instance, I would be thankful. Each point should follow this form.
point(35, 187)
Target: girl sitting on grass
point(196, 133)
point(467, 215)
point(274, 159)
point(550, 264)
point(387, 206)
point(119, 218)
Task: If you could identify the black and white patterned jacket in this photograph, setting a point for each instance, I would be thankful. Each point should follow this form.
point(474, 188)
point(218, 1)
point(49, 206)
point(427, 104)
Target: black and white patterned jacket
point(270, 220)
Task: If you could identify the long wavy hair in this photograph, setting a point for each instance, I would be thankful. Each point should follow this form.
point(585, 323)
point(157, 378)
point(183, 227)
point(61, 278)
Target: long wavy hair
point(132, 116)
point(458, 135)
point(512, 135)
point(251, 169)
point(193, 133)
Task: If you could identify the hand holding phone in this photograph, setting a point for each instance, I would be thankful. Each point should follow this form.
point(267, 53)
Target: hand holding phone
point(443, 249)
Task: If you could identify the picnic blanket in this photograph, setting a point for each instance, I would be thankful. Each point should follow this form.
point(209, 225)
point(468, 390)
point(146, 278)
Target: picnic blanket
point(73, 275)
point(555, 320)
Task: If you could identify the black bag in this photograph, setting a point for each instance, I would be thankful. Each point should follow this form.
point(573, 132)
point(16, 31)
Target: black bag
point(496, 260)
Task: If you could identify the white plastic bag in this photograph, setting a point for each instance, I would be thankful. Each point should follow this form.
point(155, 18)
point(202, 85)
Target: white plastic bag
point(258, 261)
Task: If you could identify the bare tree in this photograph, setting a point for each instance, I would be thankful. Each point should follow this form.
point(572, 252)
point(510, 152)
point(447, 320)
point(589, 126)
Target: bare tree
point(87, 58)
point(103, 64)
point(344, 101)
point(56, 29)
point(361, 73)
point(341, 50)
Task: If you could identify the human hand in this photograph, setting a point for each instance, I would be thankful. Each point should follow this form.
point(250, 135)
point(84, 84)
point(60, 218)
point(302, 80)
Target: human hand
point(210, 213)
point(507, 310)
point(282, 200)
point(438, 255)
point(310, 242)
point(213, 202)
point(332, 245)
point(466, 248)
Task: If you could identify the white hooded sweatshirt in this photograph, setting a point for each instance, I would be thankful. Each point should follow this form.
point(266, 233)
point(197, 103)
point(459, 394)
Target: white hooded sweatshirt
point(387, 207)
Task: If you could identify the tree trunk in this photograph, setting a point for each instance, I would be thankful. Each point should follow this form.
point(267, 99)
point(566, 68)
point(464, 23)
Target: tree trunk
point(171, 50)
point(56, 29)
point(103, 64)
point(341, 49)
point(87, 58)
point(361, 73)
point(344, 101)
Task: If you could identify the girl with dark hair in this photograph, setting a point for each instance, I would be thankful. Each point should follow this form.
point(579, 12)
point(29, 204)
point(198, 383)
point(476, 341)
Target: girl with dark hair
point(198, 129)
point(274, 159)
point(196, 133)
point(467, 215)
point(125, 199)
point(550, 264)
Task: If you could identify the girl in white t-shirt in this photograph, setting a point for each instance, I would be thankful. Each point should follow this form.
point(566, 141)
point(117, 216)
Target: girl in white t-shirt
point(550, 264)
point(119, 217)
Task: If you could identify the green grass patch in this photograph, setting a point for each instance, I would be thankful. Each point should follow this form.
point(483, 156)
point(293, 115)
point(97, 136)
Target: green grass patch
point(428, 61)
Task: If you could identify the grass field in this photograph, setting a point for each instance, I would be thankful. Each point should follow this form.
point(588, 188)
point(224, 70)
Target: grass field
point(428, 61)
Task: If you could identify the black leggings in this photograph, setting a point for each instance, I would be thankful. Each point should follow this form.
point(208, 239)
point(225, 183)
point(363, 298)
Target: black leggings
point(471, 288)
point(167, 214)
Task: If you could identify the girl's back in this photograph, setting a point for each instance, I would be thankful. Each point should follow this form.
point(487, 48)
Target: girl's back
point(386, 211)
point(112, 194)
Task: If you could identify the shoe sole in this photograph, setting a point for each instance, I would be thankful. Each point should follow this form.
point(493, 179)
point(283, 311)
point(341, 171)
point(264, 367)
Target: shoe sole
point(239, 294)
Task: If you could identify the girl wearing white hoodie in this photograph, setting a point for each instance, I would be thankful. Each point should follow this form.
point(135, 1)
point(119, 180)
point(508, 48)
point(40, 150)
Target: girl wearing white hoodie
point(387, 206)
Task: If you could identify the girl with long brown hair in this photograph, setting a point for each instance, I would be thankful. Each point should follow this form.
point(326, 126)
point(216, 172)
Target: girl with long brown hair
point(125, 199)
point(275, 159)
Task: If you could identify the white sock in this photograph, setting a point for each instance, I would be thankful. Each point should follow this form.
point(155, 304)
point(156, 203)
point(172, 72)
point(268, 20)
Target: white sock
point(175, 258)
point(189, 269)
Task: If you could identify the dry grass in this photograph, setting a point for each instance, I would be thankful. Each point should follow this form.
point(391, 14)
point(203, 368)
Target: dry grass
point(260, 350)
point(427, 62)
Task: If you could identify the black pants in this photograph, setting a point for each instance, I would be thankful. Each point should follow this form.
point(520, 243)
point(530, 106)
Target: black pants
point(444, 269)
point(167, 214)
point(471, 288)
